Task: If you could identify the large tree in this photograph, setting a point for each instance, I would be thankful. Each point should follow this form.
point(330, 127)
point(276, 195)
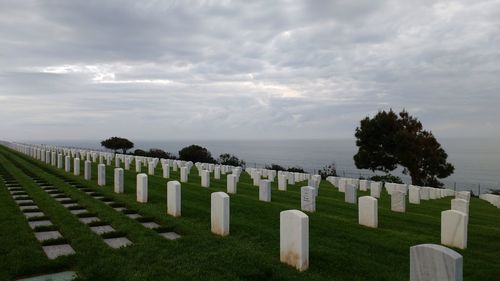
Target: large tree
point(116, 143)
point(389, 139)
point(196, 153)
point(230, 159)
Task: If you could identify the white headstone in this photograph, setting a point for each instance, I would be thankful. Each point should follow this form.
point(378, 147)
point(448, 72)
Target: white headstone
point(424, 193)
point(184, 174)
point(342, 184)
point(398, 201)
point(265, 190)
point(142, 188)
point(59, 161)
point(350, 194)
point(220, 213)
point(430, 262)
point(127, 163)
point(101, 174)
point(231, 184)
point(205, 178)
point(87, 173)
point(368, 211)
point(364, 185)
point(460, 205)
point(67, 164)
point(151, 168)
point(375, 188)
point(217, 172)
point(118, 180)
point(294, 239)
point(76, 166)
point(454, 229)
point(174, 198)
point(137, 165)
point(166, 170)
point(282, 182)
point(463, 195)
point(307, 199)
point(414, 195)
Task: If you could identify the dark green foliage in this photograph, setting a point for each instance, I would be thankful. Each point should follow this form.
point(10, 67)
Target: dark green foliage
point(140, 152)
point(328, 170)
point(295, 170)
point(116, 143)
point(275, 167)
point(230, 159)
point(388, 140)
point(495, 191)
point(155, 153)
point(196, 153)
point(387, 178)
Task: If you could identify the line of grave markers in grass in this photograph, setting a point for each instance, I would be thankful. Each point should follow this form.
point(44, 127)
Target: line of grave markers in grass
point(145, 221)
point(53, 243)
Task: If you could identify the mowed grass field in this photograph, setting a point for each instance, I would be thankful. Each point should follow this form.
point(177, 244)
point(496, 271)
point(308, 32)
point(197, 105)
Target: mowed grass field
point(340, 249)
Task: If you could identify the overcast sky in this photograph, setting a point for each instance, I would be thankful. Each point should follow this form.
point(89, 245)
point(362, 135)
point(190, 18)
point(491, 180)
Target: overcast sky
point(249, 69)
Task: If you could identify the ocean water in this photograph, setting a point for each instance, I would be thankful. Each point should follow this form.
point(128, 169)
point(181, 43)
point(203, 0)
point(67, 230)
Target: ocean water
point(476, 161)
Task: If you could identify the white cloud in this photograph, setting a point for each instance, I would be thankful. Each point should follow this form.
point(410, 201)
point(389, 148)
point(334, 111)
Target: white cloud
point(237, 69)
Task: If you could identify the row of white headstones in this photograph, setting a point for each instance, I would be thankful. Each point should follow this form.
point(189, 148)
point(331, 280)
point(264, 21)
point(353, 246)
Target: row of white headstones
point(294, 224)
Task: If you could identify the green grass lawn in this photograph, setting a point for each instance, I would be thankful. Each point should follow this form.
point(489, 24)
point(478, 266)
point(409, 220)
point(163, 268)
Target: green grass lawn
point(340, 249)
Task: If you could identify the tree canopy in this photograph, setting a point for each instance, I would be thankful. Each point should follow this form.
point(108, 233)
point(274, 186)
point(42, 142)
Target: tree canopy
point(196, 153)
point(230, 159)
point(389, 139)
point(116, 143)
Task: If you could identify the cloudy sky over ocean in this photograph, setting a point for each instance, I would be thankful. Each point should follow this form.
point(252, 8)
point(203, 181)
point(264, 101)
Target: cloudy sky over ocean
point(245, 69)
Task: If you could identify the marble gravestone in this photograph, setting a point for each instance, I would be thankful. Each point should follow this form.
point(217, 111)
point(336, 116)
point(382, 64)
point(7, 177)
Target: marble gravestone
point(398, 202)
point(342, 184)
point(137, 166)
point(205, 178)
point(364, 185)
point(174, 198)
point(217, 172)
point(463, 195)
point(67, 164)
point(151, 168)
point(87, 171)
point(219, 213)
point(231, 184)
point(294, 239)
point(118, 180)
point(76, 166)
point(265, 190)
point(368, 211)
point(127, 163)
point(59, 161)
point(307, 199)
point(101, 175)
point(430, 262)
point(414, 195)
point(184, 174)
point(142, 188)
point(454, 229)
point(424, 193)
point(375, 188)
point(460, 205)
point(350, 194)
point(166, 171)
point(282, 182)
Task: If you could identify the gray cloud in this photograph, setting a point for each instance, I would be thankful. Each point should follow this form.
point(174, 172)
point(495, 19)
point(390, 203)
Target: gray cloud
point(239, 69)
